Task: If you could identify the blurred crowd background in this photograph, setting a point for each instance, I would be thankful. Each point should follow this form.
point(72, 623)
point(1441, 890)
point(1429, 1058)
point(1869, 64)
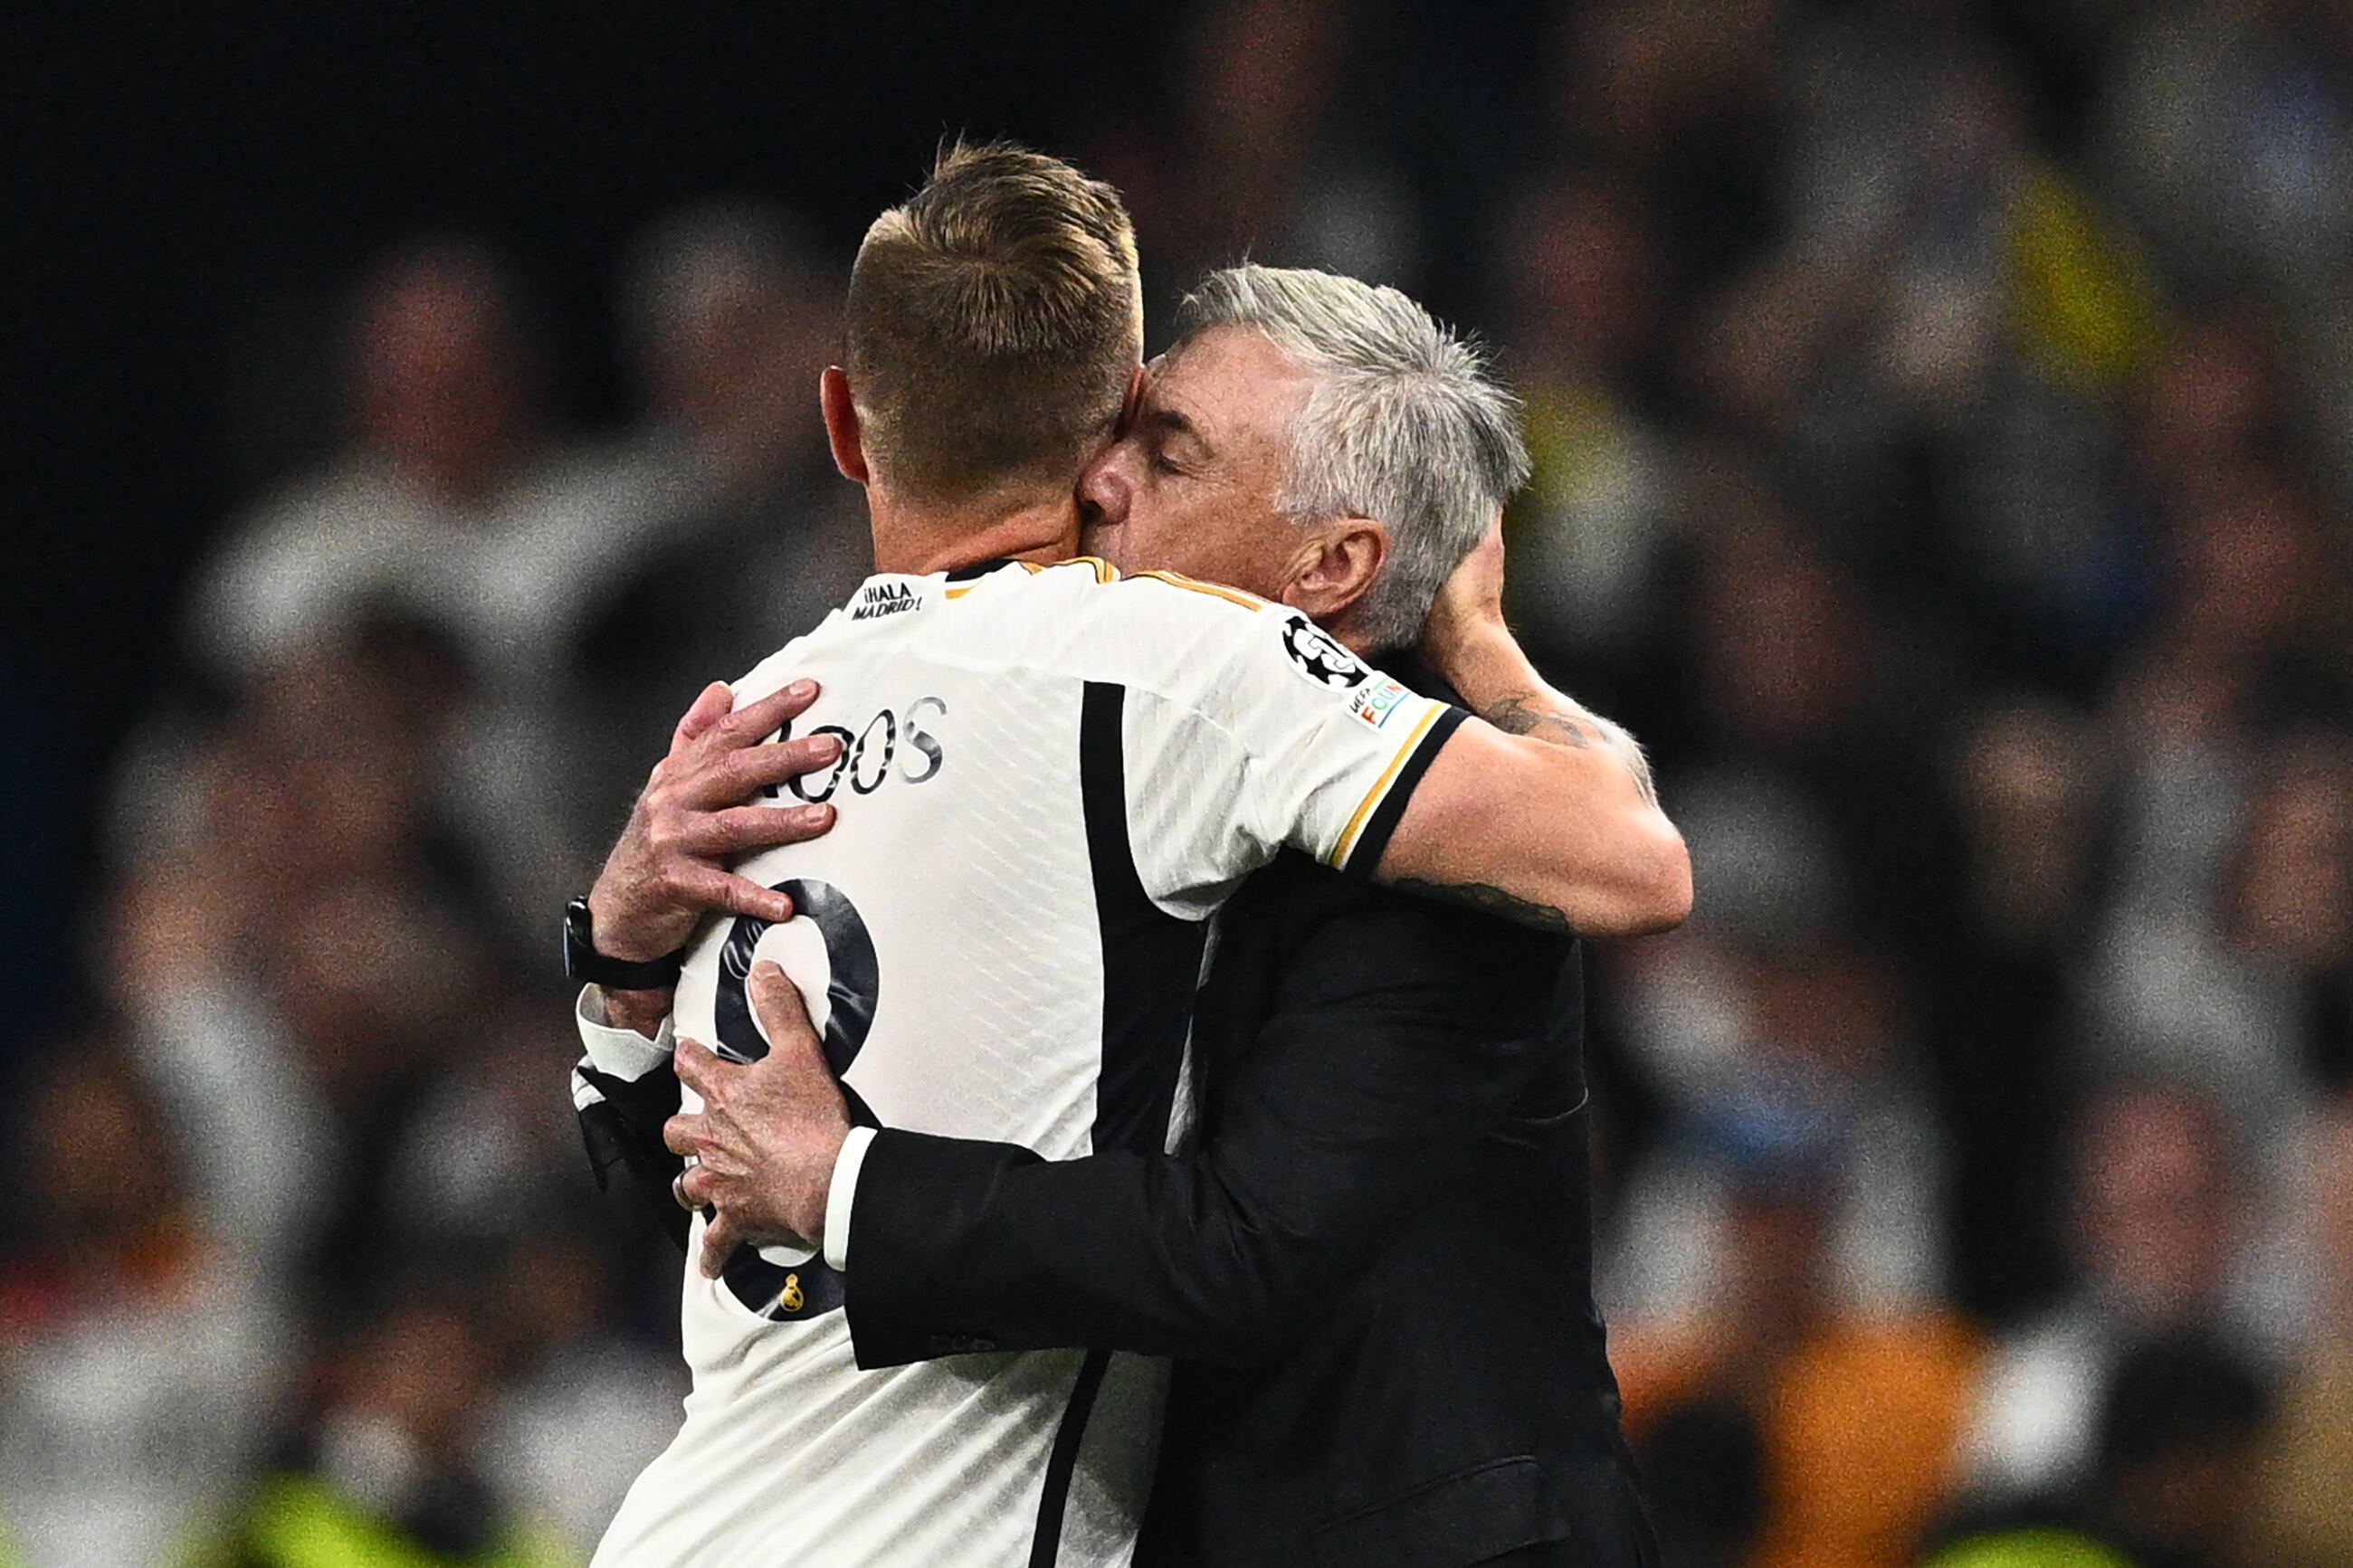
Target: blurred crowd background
point(1942, 415)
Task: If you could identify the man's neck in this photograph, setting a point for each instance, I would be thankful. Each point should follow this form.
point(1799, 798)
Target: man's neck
point(1349, 634)
point(920, 540)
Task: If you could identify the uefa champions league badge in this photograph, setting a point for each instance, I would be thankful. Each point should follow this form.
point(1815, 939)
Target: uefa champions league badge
point(1320, 657)
point(1374, 703)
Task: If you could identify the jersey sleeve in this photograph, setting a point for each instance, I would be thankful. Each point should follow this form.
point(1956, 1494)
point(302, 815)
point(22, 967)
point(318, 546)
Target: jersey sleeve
point(1273, 734)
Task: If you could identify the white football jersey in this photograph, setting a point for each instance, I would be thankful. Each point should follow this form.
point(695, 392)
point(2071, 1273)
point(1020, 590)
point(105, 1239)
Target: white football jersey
point(1051, 778)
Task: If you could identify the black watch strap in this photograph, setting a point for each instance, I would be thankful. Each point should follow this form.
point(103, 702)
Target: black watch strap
point(583, 963)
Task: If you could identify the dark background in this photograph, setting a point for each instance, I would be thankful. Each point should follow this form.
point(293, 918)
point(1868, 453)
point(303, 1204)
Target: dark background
point(1981, 373)
point(175, 174)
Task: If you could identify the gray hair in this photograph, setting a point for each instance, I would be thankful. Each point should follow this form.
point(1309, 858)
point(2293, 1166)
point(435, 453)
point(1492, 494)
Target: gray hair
point(1402, 424)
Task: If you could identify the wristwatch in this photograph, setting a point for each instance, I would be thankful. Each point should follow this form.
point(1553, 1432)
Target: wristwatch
point(583, 963)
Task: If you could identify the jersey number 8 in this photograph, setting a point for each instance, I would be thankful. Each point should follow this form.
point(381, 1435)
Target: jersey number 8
point(790, 1292)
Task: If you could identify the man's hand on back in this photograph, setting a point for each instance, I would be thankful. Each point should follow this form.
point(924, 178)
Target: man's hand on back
point(695, 814)
point(1466, 619)
point(1467, 640)
point(763, 1147)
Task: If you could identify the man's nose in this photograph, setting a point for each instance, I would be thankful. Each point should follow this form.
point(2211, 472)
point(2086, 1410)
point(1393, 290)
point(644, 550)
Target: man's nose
point(1108, 485)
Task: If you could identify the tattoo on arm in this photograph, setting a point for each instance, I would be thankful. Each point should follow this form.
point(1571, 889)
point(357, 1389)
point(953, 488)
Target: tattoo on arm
point(1540, 718)
point(1490, 900)
point(1517, 715)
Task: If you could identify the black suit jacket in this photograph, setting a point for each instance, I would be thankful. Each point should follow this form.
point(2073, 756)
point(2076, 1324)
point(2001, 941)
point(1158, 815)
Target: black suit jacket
point(1374, 1273)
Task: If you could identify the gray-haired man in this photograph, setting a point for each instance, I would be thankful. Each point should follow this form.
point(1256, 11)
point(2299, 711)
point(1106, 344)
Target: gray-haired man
point(1373, 1264)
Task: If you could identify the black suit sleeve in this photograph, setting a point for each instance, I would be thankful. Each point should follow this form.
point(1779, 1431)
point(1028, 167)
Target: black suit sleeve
point(1402, 1032)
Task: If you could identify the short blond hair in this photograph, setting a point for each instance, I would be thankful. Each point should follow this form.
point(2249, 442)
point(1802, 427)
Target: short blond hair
point(994, 322)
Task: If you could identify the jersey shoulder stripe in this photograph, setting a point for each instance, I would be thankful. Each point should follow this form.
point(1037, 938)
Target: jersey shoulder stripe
point(1104, 569)
point(1248, 601)
point(966, 582)
point(1358, 851)
point(1373, 796)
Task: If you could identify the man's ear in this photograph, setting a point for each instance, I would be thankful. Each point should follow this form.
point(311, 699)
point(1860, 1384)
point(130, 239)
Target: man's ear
point(1336, 568)
point(841, 432)
point(1127, 405)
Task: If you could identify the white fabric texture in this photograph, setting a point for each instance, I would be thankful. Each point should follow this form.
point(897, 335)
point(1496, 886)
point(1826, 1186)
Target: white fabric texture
point(951, 917)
